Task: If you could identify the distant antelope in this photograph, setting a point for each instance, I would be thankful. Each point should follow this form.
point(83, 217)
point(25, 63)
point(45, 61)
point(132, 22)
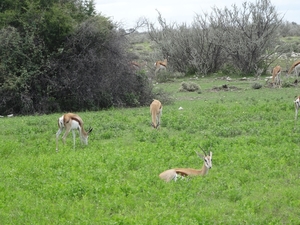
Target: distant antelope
point(134, 65)
point(71, 121)
point(160, 65)
point(296, 68)
point(275, 76)
point(172, 174)
point(156, 112)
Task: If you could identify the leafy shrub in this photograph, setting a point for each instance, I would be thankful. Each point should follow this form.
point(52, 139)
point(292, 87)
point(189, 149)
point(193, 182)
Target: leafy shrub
point(189, 86)
point(256, 86)
point(161, 95)
point(177, 75)
point(67, 66)
point(287, 84)
point(162, 76)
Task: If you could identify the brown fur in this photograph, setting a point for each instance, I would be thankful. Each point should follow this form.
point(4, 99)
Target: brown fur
point(168, 175)
point(66, 122)
point(171, 174)
point(161, 65)
point(275, 75)
point(293, 66)
point(156, 111)
point(134, 65)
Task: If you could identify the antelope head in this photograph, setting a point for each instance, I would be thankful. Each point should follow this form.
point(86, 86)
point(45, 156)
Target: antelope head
point(85, 136)
point(207, 158)
point(90, 129)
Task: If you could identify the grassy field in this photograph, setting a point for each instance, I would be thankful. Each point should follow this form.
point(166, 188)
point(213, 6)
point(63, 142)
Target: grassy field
point(255, 176)
point(291, 39)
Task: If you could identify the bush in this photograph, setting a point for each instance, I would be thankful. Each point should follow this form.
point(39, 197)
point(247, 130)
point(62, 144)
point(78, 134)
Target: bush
point(226, 36)
point(79, 64)
point(162, 76)
point(256, 86)
point(189, 86)
point(161, 95)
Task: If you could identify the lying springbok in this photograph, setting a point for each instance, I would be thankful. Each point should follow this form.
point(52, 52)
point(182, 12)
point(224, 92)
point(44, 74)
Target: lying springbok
point(71, 121)
point(173, 174)
point(156, 112)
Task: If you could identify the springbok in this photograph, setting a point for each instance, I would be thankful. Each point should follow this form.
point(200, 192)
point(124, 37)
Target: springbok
point(296, 68)
point(134, 65)
point(160, 65)
point(156, 112)
point(71, 121)
point(297, 105)
point(275, 76)
point(173, 174)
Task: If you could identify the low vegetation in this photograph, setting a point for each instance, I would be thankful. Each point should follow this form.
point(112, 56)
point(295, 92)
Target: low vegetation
point(189, 86)
point(247, 123)
point(114, 180)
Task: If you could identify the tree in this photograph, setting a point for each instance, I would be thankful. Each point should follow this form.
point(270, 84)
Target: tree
point(59, 55)
point(242, 39)
point(248, 35)
point(93, 70)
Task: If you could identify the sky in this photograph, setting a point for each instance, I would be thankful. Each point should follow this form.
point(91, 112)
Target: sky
point(127, 12)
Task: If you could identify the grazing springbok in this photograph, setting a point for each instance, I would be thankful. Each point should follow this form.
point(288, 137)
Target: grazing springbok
point(296, 68)
point(156, 112)
point(275, 76)
point(71, 121)
point(173, 174)
point(160, 65)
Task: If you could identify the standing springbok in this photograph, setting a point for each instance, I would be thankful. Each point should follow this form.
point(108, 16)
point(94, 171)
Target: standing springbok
point(71, 121)
point(156, 112)
point(160, 65)
point(172, 174)
point(297, 105)
point(296, 68)
point(275, 76)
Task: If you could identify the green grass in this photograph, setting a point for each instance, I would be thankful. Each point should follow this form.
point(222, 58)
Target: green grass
point(142, 48)
point(291, 39)
point(114, 180)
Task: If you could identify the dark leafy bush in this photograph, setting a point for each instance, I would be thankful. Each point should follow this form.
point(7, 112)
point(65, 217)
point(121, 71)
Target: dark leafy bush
point(256, 86)
point(82, 64)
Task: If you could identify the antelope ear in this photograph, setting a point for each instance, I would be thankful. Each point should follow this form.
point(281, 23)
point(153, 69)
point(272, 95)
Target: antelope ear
point(210, 155)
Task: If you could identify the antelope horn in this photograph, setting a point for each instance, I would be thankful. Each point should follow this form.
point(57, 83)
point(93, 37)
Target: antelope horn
point(90, 130)
point(203, 150)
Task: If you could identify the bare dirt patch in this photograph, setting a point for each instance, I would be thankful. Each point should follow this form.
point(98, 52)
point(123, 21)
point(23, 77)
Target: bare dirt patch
point(225, 87)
